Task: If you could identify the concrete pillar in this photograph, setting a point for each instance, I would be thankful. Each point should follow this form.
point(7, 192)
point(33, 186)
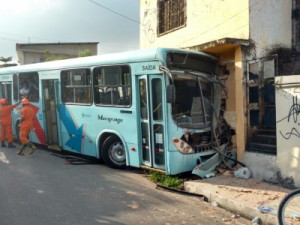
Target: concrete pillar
point(239, 104)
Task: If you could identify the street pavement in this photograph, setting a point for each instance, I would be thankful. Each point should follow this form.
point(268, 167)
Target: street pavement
point(249, 198)
point(46, 189)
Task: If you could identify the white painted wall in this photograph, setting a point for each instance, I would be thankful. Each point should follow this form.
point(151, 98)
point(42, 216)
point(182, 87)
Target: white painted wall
point(262, 166)
point(270, 24)
point(288, 126)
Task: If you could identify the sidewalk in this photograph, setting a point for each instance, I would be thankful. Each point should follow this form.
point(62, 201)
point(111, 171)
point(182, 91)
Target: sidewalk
point(240, 196)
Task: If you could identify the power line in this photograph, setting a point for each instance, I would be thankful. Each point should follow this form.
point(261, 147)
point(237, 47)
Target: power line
point(8, 39)
point(115, 12)
point(24, 36)
point(13, 34)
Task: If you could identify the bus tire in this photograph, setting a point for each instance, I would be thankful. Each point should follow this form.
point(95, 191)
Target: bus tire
point(113, 152)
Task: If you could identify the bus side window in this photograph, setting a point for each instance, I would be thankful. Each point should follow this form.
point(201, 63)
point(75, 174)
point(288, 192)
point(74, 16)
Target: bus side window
point(68, 95)
point(29, 86)
point(112, 85)
point(111, 96)
point(76, 86)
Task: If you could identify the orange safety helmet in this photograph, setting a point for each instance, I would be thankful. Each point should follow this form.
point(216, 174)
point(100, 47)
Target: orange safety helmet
point(25, 101)
point(2, 101)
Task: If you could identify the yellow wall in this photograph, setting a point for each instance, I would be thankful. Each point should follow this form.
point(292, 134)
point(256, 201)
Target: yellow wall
point(206, 21)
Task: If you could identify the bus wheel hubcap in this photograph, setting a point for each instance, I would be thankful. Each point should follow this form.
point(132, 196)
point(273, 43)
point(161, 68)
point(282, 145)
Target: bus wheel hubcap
point(117, 153)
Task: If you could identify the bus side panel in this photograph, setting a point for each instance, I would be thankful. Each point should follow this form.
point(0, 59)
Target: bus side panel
point(81, 126)
point(71, 132)
point(122, 122)
point(180, 163)
point(37, 135)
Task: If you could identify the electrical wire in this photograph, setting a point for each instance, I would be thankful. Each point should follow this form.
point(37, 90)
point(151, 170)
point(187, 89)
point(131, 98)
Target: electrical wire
point(115, 12)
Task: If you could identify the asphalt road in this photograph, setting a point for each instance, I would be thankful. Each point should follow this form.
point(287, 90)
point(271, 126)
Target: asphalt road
point(44, 189)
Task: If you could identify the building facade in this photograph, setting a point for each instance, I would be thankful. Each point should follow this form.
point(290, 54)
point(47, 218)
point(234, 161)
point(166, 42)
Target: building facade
point(256, 42)
point(39, 52)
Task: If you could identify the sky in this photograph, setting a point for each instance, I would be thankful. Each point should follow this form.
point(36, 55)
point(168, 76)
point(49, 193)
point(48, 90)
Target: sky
point(112, 23)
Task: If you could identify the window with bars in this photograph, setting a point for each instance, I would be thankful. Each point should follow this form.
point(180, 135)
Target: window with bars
point(171, 15)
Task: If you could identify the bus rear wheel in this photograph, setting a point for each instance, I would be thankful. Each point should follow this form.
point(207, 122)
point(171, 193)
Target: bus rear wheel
point(113, 152)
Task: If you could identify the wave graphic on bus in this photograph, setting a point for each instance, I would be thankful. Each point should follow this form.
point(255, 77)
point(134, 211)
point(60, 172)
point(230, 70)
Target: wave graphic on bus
point(75, 133)
point(40, 134)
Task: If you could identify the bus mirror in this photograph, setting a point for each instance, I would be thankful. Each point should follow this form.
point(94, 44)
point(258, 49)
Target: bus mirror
point(170, 93)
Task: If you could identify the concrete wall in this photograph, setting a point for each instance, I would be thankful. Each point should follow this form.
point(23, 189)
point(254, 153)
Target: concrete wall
point(34, 53)
point(69, 48)
point(206, 21)
point(262, 166)
point(288, 126)
point(270, 28)
point(270, 25)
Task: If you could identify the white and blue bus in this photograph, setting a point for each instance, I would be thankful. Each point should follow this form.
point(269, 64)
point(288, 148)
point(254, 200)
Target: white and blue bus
point(154, 108)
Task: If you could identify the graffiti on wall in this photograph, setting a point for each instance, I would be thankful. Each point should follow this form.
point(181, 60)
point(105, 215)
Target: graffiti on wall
point(148, 24)
point(292, 119)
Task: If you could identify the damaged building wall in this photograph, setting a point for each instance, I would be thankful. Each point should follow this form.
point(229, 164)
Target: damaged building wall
point(205, 22)
point(210, 26)
point(228, 96)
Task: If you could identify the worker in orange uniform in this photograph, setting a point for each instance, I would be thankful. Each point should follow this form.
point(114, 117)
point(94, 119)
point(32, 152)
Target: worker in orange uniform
point(5, 122)
point(27, 117)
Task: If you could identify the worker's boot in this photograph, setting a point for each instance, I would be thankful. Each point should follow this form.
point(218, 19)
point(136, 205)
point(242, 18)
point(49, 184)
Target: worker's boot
point(3, 144)
point(33, 148)
point(21, 152)
point(10, 145)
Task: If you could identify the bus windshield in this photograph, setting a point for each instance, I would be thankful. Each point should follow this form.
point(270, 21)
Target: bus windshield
point(194, 101)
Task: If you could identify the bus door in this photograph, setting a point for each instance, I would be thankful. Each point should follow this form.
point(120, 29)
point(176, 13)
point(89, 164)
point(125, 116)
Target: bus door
point(50, 112)
point(151, 121)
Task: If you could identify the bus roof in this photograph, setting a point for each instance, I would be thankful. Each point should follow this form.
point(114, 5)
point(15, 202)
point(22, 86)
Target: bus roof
point(116, 58)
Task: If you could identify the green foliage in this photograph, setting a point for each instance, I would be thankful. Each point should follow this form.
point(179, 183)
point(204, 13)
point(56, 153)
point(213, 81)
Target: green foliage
point(165, 180)
point(52, 57)
point(5, 60)
point(8, 65)
point(84, 53)
point(56, 57)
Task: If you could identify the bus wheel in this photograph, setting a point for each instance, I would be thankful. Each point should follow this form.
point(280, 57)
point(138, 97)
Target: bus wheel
point(113, 152)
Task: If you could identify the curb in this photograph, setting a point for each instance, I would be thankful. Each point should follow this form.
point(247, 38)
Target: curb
point(230, 205)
